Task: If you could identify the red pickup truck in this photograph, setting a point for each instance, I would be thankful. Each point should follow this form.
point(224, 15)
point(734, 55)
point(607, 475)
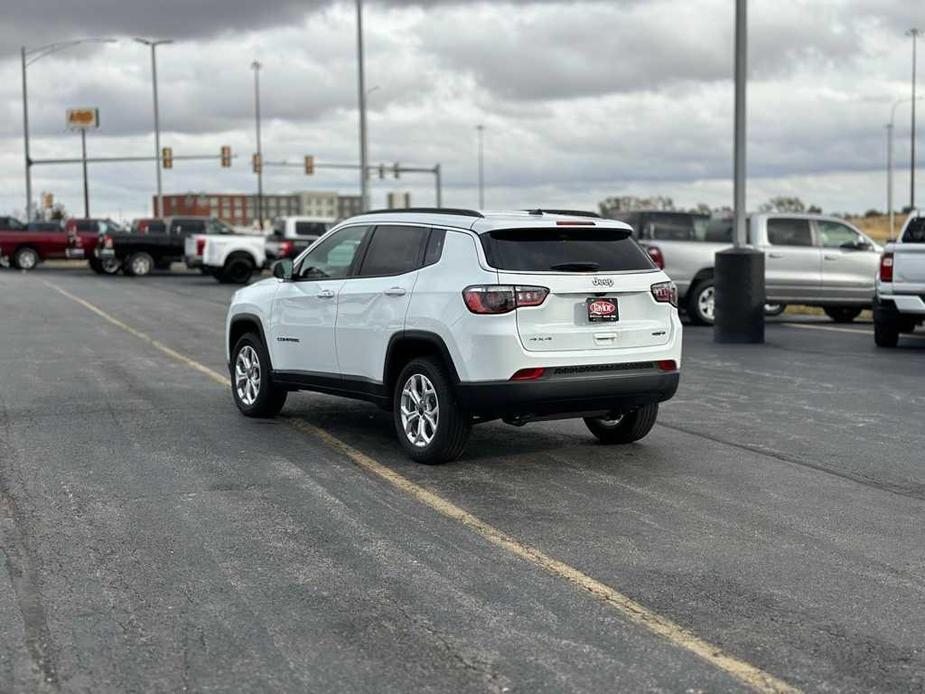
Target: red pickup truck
point(27, 246)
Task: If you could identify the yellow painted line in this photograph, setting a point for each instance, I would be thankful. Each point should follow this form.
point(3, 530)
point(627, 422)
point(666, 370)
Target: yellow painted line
point(856, 331)
point(748, 674)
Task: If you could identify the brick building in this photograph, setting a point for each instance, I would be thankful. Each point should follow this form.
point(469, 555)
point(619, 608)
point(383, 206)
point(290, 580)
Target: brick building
point(241, 208)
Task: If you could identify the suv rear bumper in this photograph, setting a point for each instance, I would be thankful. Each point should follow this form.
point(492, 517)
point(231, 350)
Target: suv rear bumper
point(578, 395)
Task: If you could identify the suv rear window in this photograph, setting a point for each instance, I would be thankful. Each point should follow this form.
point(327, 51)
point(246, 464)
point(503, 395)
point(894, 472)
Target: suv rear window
point(393, 250)
point(915, 232)
point(564, 249)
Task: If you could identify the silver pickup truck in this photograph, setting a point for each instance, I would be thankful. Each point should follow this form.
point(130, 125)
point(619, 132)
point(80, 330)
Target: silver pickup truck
point(810, 259)
point(899, 305)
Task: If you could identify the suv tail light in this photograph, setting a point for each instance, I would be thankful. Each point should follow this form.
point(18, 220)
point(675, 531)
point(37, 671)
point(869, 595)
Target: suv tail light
point(667, 365)
point(200, 246)
point(665, 293)
point(886, 267)
point(530, 374)
point(107, 241)
point(656, 254)
point(501, 298)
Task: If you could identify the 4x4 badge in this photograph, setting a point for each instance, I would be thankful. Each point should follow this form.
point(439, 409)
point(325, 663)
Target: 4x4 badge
point(602, 282)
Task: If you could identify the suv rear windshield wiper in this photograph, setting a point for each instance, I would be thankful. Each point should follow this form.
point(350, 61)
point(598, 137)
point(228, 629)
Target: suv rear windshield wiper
point(577, 266)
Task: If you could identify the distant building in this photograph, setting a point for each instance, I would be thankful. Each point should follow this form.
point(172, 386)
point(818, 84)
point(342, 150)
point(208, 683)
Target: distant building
point(398, 200)
point(241, 209)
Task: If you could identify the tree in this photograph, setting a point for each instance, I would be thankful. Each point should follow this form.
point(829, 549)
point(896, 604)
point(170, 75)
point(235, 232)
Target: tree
point(629, 203)
point(783, 203)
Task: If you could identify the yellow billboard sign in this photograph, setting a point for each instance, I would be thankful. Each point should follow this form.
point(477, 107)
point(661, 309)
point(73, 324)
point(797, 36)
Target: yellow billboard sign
point(83, 118)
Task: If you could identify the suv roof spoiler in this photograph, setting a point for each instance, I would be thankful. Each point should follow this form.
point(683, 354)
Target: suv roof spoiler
point(572, 213)
point(430, 210)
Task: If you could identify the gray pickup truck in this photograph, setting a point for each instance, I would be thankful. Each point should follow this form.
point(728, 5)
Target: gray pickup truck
point(899, 305)
point(810, 259)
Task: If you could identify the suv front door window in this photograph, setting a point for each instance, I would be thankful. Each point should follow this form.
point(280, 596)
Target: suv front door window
point(305, 308)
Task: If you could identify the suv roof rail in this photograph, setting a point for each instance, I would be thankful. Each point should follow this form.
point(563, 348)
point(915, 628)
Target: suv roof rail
point(430, 210)
point(573, 213)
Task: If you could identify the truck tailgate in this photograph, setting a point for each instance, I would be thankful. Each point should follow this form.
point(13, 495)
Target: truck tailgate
point(909, 268)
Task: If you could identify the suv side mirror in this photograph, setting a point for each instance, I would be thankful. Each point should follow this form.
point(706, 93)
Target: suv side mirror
point(282, 270)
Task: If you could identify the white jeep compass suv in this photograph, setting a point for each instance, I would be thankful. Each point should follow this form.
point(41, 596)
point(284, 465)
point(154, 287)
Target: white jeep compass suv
point(453, 317)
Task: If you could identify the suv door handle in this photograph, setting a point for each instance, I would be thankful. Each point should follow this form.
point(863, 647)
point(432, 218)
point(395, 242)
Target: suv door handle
point(326, 294)
point(775, 255)
point(830, 257)
point(394, 291)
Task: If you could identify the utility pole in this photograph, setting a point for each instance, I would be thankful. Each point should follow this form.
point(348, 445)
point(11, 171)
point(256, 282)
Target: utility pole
point(361, 87)
point(481, 130)
point(255, 66)
point(914, 33)
point(83, 156)
point(889, 174)
point(159, 208)
point(25, 132)
point(738, 304)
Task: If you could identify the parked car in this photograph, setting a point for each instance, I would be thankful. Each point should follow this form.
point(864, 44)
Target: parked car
point(194, 230)
point(292, 235)
point(810, 259)
point(899, 305)
point(230, 258)
point(453, 317)
point(161, 243)
point(149, 225)
point(27, 245)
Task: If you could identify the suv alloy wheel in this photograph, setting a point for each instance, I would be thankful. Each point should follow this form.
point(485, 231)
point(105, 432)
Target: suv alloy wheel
point(252, 387)
point(430, 425)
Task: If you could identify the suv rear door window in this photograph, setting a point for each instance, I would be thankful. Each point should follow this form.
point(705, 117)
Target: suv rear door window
point(394, 250)
point(789, 232)
point(915, 231)
point(564, 249)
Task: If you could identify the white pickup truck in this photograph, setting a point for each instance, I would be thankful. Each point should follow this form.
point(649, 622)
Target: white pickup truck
point(810, 259)
point(229, 258)
point(899, 305)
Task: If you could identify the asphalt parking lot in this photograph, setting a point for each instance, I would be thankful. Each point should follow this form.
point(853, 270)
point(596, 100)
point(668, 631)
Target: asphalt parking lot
point(155, 540)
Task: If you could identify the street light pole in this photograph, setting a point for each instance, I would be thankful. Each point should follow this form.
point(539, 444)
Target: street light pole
point(25, 132)
point(255, 66)
point(361, 86)
point(83, 156)
point(891, 128)
point(738, 296)
point(29, 56)
point(481, 130)
point(914, 33)
point(159, 207)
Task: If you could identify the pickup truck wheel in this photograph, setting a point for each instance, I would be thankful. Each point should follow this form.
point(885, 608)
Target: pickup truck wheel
point(774, 309)
point(138, 264)
point(25, 258)
point(110, 266)
point(842, 314)
point(886, 330)
point(701, 301)
point(430, 425)
point(95, 265)
point(237, 270)
point(252, 386)
point(625, 428)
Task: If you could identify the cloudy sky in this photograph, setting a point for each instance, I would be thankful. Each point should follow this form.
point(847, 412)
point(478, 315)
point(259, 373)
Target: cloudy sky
point(580, 100)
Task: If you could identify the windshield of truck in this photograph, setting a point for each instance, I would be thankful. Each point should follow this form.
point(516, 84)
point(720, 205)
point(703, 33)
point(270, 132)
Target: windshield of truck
point(675, 226)
point(915, 231)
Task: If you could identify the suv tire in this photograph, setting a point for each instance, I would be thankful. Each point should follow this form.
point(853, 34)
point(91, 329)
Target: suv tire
point(25, 258)
point(237, 270)
point(701, 300)
point(252, 386)
point(842, 314)
point(630, 427)
point(424, 404)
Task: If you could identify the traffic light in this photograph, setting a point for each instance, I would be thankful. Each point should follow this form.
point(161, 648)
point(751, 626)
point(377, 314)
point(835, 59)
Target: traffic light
point(167, 157)
point(226, 156)
point(309, 164)
point(258, 163)
point(396, 169)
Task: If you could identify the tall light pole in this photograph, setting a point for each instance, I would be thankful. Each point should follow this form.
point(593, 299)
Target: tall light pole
point(361, 88)
point(481, 130)
point(159, 207)
point(29, 56)
point(914, 33)
point(890, 129)
point(255, 66)
point(738, 296)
